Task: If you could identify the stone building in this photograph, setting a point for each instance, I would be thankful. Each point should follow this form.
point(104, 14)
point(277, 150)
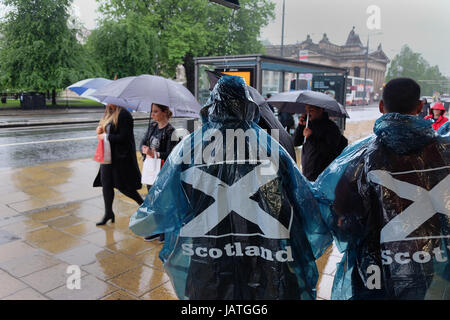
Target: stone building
point(351, 55)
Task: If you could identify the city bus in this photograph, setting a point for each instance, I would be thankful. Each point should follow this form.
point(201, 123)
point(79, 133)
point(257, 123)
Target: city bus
point(355, 91)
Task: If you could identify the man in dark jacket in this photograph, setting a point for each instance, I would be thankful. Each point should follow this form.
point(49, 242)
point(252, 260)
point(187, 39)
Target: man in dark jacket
point(324, 142)
point(425, 109)
point(388, 205)
point(286, 120)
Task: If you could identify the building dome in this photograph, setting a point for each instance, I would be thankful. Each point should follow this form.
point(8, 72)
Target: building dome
point(353, 39)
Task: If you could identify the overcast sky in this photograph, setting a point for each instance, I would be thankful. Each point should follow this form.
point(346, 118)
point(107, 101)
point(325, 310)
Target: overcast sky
point(422, 24)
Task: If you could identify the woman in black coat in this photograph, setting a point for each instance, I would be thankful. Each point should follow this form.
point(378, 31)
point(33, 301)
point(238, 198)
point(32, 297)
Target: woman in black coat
point(123, 172)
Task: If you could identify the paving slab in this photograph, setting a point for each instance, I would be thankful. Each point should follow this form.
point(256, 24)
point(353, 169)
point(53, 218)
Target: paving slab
point(91, 289)
point(84, 255)
point(120, 295)
point(49, 279)
point(10, 285)
point(21, 228)
point(15, 250)
point(110, 266)
point(26, 294)
point(6, 237)
point(140, 280)
point(26, 265)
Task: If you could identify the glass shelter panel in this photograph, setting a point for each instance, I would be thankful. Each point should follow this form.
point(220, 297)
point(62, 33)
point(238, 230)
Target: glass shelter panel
point(203, 83)
point(271, 82)
point(289, 80)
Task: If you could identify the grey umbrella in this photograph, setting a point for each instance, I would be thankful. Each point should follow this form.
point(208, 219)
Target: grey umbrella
point(295, 102)
point(140, 92)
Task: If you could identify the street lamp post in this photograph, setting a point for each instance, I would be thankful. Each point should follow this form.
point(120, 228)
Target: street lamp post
point(282, 31)
point(365, 67)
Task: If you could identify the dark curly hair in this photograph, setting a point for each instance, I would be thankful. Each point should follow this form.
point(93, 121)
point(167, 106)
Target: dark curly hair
point(164, 109)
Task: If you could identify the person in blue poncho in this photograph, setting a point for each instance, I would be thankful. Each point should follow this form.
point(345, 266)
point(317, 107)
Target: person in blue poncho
point(240, 220)
point(386, 202)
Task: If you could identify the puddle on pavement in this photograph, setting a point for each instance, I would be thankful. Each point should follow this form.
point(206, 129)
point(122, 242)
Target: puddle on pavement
point(6, 237)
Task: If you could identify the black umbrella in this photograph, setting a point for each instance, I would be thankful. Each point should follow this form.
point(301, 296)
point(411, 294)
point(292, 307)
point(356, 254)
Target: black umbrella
point(267, 121)
point(295, 102)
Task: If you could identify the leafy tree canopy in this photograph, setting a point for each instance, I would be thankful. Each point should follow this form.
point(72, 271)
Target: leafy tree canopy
point(39, 51)
point(189, 28)
point(411, 64)
point(124, 47)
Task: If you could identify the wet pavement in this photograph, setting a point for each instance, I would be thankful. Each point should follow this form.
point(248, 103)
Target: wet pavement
point(47, 223)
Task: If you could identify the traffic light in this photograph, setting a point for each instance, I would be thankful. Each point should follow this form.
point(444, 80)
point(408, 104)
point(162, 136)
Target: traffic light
point(233, 4)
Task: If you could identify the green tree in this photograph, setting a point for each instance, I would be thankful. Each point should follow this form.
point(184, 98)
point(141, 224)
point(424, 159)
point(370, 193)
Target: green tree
point(39, 51)
point(411, 64)
point(190, 28)
point(125, 47)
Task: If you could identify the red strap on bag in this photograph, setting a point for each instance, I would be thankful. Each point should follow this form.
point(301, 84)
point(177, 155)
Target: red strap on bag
point(162, 163)
point(99, 155)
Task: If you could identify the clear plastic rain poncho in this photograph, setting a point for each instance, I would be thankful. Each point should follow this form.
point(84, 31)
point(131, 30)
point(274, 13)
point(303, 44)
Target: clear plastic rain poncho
point(444, 130)
point(386, 200)
point(240, 221)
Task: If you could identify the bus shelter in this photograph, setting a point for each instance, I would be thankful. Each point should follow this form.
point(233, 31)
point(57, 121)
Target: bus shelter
point(269, 75)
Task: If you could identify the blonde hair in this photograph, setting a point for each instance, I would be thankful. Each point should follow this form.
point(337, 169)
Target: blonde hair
point(111, 115)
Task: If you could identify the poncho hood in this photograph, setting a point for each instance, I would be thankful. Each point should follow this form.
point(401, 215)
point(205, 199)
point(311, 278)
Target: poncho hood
point(404, 133)
point(230, 101)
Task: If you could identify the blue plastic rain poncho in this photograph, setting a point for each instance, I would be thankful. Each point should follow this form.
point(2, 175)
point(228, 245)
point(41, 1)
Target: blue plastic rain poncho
point(386, 200)
point(240, 221)
point(444, 130)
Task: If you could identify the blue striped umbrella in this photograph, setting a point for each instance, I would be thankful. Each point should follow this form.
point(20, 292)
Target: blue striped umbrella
point(86, 88)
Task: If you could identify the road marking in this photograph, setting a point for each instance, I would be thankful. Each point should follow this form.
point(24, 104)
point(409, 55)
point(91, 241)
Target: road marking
point(46, 141)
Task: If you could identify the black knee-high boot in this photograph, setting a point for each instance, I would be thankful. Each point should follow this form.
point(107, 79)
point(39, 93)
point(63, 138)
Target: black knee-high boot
point(133, 194)
point(108, 197)
point(108, 194)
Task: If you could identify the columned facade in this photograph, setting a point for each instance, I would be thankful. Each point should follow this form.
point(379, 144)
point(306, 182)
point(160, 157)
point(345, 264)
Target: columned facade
point(351, 55)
